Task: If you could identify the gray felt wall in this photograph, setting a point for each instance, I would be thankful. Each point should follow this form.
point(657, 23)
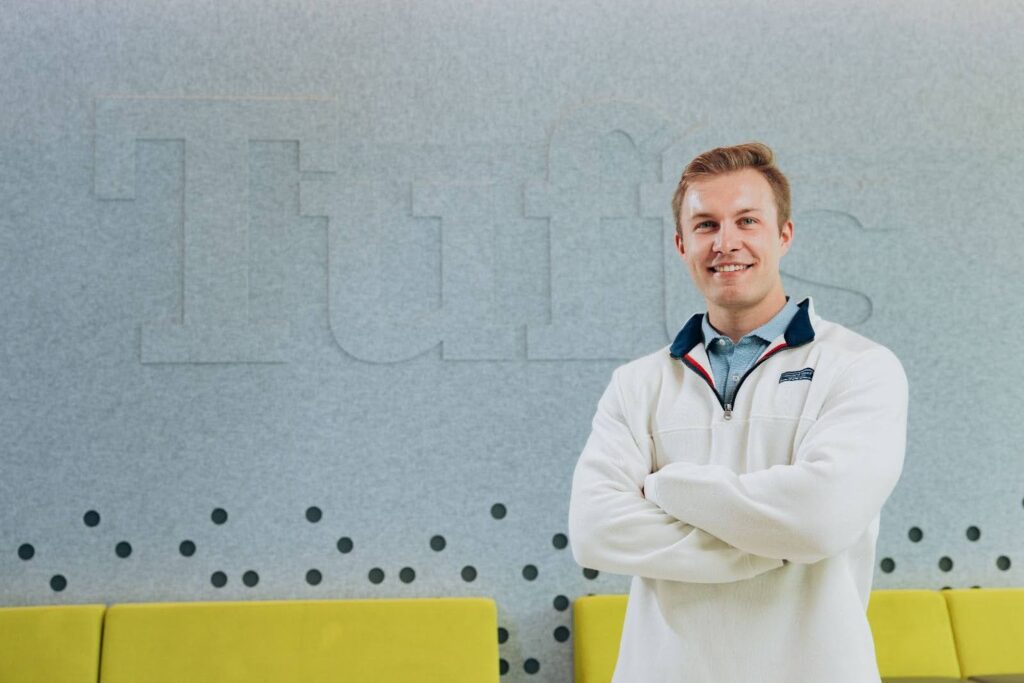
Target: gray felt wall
point(316, 300)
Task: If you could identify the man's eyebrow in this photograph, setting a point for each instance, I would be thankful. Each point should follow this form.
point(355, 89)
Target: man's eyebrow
point(741, 211)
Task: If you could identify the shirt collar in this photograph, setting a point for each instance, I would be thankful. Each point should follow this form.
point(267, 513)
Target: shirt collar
point(769, 331)
point(799, 331)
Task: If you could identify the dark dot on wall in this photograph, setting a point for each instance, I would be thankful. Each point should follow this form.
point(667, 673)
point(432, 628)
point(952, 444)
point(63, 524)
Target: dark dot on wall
point(498, 511)
point(314, 577)
point(407, 575)
point(469, 573)
point(219, 579)
point(973, 587)
point(219, 515)
point(1003, 562)
point(123, 549)
point(529, 572)
point(591, 573)
point(313, 514)
point(58, 582)
point(915, 534)
point(560, 541)
point(26, 551)
point(561, 603)
point(888, 565)
point(91, 518)
point(344, 544)
point(187, 548)
point(437, 543)
point(973, 533)
point(945, 564)
point(561, 634)
point(531, 666)
point(502, 667)
point(250, 578)
point(502, 634)
point(946, 588)
point(376, 575)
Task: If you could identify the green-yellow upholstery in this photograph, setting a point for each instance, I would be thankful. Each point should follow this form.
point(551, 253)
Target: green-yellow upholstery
point(988, 625)
point(50, 644)
point(597, 623)
point(448, 640)
point(913, 636)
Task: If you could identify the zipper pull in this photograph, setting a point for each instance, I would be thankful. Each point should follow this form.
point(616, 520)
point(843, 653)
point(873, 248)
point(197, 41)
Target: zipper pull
point(728, 411)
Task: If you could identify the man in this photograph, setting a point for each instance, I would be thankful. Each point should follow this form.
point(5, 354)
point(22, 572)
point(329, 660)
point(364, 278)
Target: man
point(738, 474)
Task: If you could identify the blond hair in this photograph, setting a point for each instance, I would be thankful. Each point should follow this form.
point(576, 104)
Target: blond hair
point(722, 160)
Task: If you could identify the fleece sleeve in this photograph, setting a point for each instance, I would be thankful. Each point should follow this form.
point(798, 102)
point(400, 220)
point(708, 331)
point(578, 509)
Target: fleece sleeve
point(614, 528)
point(842, 473)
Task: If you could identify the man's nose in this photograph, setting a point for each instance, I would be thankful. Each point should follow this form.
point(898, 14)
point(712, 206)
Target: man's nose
point(727, 238)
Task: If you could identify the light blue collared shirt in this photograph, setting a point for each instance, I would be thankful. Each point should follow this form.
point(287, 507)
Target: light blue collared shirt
point(729, 362)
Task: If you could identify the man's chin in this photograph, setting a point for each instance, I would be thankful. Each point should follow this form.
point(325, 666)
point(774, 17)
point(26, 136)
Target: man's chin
point(729, 295)
point(731, 299)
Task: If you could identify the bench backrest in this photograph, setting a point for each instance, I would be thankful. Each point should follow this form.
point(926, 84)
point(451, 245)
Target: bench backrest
point(453, 640)
point(58, 644)
point(913, 635)
point(989, 628)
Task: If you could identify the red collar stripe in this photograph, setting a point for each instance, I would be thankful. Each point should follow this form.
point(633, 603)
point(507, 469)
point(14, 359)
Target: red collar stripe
point(772, 351)
point(695, 364)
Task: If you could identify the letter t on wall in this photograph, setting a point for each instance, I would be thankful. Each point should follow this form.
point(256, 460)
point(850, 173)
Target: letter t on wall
point(214, 325)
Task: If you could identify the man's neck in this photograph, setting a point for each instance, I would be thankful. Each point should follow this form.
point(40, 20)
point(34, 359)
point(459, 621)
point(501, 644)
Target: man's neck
point(736, 323)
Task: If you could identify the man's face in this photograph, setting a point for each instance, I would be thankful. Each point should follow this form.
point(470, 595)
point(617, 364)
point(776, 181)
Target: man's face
point(732, 219)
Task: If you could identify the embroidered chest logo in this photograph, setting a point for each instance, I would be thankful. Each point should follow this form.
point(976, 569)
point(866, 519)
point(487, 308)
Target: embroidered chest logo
point(794, 375)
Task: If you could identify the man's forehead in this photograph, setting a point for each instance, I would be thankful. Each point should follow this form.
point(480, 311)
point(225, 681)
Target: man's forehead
point(734, 193)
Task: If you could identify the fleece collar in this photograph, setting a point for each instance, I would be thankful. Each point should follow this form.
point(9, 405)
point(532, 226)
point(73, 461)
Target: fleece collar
point(800, 331)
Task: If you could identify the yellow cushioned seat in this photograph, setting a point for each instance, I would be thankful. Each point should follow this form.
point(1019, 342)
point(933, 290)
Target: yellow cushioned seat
point(988, 624)
point(50, 644)
point(913, 636)
point(447, 640)
point(597, 625)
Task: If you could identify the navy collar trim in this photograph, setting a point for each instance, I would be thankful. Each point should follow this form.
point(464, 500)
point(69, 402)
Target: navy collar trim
point(798, 332)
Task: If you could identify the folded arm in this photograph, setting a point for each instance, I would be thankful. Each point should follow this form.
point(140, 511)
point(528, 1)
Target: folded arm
point(614, 528)
point(843, 471)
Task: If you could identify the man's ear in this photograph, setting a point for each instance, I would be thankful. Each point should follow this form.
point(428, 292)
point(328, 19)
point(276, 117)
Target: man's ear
point(679, 245)
point(786, 237)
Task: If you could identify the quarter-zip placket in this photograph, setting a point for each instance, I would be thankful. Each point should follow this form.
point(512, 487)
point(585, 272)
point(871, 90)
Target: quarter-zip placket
point(798, 333)
point(727, 407)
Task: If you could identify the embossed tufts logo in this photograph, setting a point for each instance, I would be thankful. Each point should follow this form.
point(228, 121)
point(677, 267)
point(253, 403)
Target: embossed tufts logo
point(794, 375)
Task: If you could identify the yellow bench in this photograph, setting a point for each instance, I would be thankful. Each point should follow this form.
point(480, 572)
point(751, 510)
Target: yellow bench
point(449, 640)
point(913, 637)
point(597, 626)
point(989, 628)
point(50, 644)
point(920, 636)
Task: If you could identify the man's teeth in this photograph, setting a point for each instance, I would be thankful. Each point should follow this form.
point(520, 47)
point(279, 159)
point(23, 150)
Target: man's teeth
point(728, 269)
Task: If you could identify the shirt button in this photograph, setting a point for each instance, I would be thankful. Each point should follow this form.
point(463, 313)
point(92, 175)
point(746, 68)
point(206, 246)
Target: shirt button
point(722, 342)
point(735, 378)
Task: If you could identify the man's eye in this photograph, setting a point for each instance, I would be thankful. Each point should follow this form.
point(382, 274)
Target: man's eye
point(748, 218)
point(704, 224)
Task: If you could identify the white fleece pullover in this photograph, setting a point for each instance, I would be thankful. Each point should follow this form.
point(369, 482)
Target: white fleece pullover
point(750, 534)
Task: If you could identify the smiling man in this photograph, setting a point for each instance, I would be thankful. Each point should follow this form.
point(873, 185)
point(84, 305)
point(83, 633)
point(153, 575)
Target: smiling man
point(739, 473)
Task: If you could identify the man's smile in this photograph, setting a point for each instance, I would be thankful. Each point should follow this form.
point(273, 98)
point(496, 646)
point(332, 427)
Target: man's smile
point(729, 269)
